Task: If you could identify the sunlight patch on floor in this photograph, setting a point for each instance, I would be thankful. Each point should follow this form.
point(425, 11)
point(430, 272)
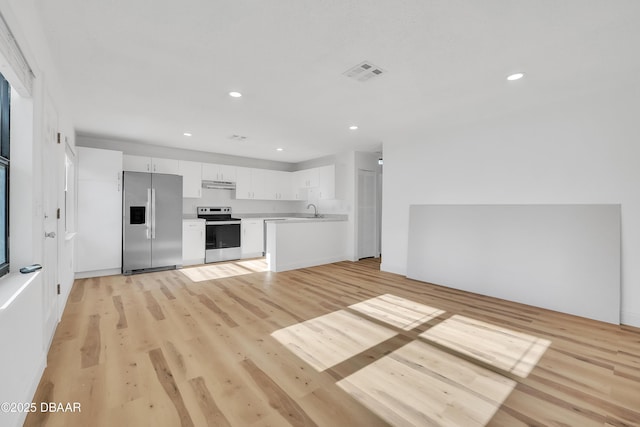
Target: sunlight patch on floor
point(221, 270)
point(497, 346)
point(397, 311)
point(422, 385)
point(327, 340)
point(445, 377)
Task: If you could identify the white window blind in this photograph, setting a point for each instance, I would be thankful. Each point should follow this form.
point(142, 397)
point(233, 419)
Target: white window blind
point(13, 65)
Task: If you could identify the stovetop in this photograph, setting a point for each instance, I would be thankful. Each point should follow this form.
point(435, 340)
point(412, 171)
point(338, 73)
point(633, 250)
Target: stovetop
point(215, 213)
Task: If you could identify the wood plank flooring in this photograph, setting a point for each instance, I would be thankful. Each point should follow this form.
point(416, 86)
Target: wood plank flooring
point(337, 345)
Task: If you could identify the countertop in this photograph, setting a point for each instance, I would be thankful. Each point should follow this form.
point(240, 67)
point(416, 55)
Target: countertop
point(305, 219)
point(289, 217)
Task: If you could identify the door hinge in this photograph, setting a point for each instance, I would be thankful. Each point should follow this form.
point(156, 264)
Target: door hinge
point(58, 213)
point(58, 288)
point(59, 137)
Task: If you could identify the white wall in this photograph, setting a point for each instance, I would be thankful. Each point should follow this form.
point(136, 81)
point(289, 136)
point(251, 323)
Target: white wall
point(542, 255)
point(25, 340)
point(577, 150)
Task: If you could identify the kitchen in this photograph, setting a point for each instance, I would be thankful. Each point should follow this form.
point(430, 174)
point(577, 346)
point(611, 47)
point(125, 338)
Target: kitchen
point(254, 191)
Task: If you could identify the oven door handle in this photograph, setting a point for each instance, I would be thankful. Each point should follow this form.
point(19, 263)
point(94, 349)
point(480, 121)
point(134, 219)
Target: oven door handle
point(222, 223)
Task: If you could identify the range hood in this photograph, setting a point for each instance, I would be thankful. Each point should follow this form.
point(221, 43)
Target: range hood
point(219, 185)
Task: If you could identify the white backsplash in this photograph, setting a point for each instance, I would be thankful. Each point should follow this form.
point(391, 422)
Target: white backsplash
point(213, 197)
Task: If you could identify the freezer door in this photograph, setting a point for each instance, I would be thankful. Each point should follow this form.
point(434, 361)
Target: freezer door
point(136, 224)
point(166, 220)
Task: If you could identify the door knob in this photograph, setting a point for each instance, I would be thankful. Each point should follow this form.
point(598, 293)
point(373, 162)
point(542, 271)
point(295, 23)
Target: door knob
point(51, 234)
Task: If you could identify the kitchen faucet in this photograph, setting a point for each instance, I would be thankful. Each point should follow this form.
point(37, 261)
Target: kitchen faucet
point(315, 209)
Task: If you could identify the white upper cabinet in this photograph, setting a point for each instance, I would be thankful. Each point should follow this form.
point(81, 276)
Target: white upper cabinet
point(327, 182)
point(244, 187)
point(150, 164)
point(263, 184)
point(136, 163)
point(191, 178)
point(169, 166)
point(284, 186)
point(316, 183)
point(307, 178)
point(213, 172)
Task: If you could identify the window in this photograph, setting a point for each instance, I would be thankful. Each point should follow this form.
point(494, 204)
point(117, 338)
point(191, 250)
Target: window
point(4, 175)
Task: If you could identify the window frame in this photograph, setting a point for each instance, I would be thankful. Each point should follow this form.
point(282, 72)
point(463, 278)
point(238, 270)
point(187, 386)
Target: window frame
point(5, 134)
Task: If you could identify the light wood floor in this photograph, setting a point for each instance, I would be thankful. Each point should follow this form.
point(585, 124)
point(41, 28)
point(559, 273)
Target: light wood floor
point(335, 345)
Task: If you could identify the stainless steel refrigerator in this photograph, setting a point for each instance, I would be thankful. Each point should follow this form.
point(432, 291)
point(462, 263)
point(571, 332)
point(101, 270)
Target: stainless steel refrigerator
point(152, 222)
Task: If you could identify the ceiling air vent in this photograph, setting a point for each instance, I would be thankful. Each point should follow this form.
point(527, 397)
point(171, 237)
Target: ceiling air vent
point(364, 71)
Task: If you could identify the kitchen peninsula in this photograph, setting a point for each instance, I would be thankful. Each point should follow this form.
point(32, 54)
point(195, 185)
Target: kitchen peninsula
point(305, 242)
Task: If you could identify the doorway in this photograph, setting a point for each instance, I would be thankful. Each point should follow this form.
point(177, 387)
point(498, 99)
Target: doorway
point(368, 214)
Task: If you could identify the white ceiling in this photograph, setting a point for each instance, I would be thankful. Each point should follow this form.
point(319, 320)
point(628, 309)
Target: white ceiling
point(149, 70)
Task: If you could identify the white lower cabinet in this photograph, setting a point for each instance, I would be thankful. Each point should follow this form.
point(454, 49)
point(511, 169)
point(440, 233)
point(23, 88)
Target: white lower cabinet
point(193, 241)
point(252, 237)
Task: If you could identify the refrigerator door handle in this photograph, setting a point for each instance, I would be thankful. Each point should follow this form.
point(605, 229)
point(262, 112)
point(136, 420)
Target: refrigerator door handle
point(147, 220)
point(153, 213)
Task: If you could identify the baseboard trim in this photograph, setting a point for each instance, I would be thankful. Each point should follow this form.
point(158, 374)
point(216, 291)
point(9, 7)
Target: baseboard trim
point(390, 268)
point(312, 263)
point(630, 318)
point(97, 273)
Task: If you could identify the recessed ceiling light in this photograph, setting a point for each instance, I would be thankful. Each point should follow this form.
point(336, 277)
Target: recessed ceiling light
point(515, 76)
point(187, 134)
point(354, 127)
point(279, 149)
point(235, 94)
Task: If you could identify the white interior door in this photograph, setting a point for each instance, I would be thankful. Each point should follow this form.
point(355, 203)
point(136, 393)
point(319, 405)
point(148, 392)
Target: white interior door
point(367, 214)
point(50, 205)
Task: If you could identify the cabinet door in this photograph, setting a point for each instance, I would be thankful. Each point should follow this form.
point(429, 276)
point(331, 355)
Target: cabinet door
point(312, 177)
point(244, 189)
point(98, 164)
point(252, 237)
point(227, 173)
point(264, 184)
point(327, 182)
point(297, 185)
point(284, 186)
point(136, 163)
point(193, 242)
point(210, 172)
point(214, 172)
point(191, 178)
point(99, 239)
point(168, 166)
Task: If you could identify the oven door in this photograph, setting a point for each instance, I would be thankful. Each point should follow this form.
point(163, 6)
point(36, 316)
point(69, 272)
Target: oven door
point(222, 241)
